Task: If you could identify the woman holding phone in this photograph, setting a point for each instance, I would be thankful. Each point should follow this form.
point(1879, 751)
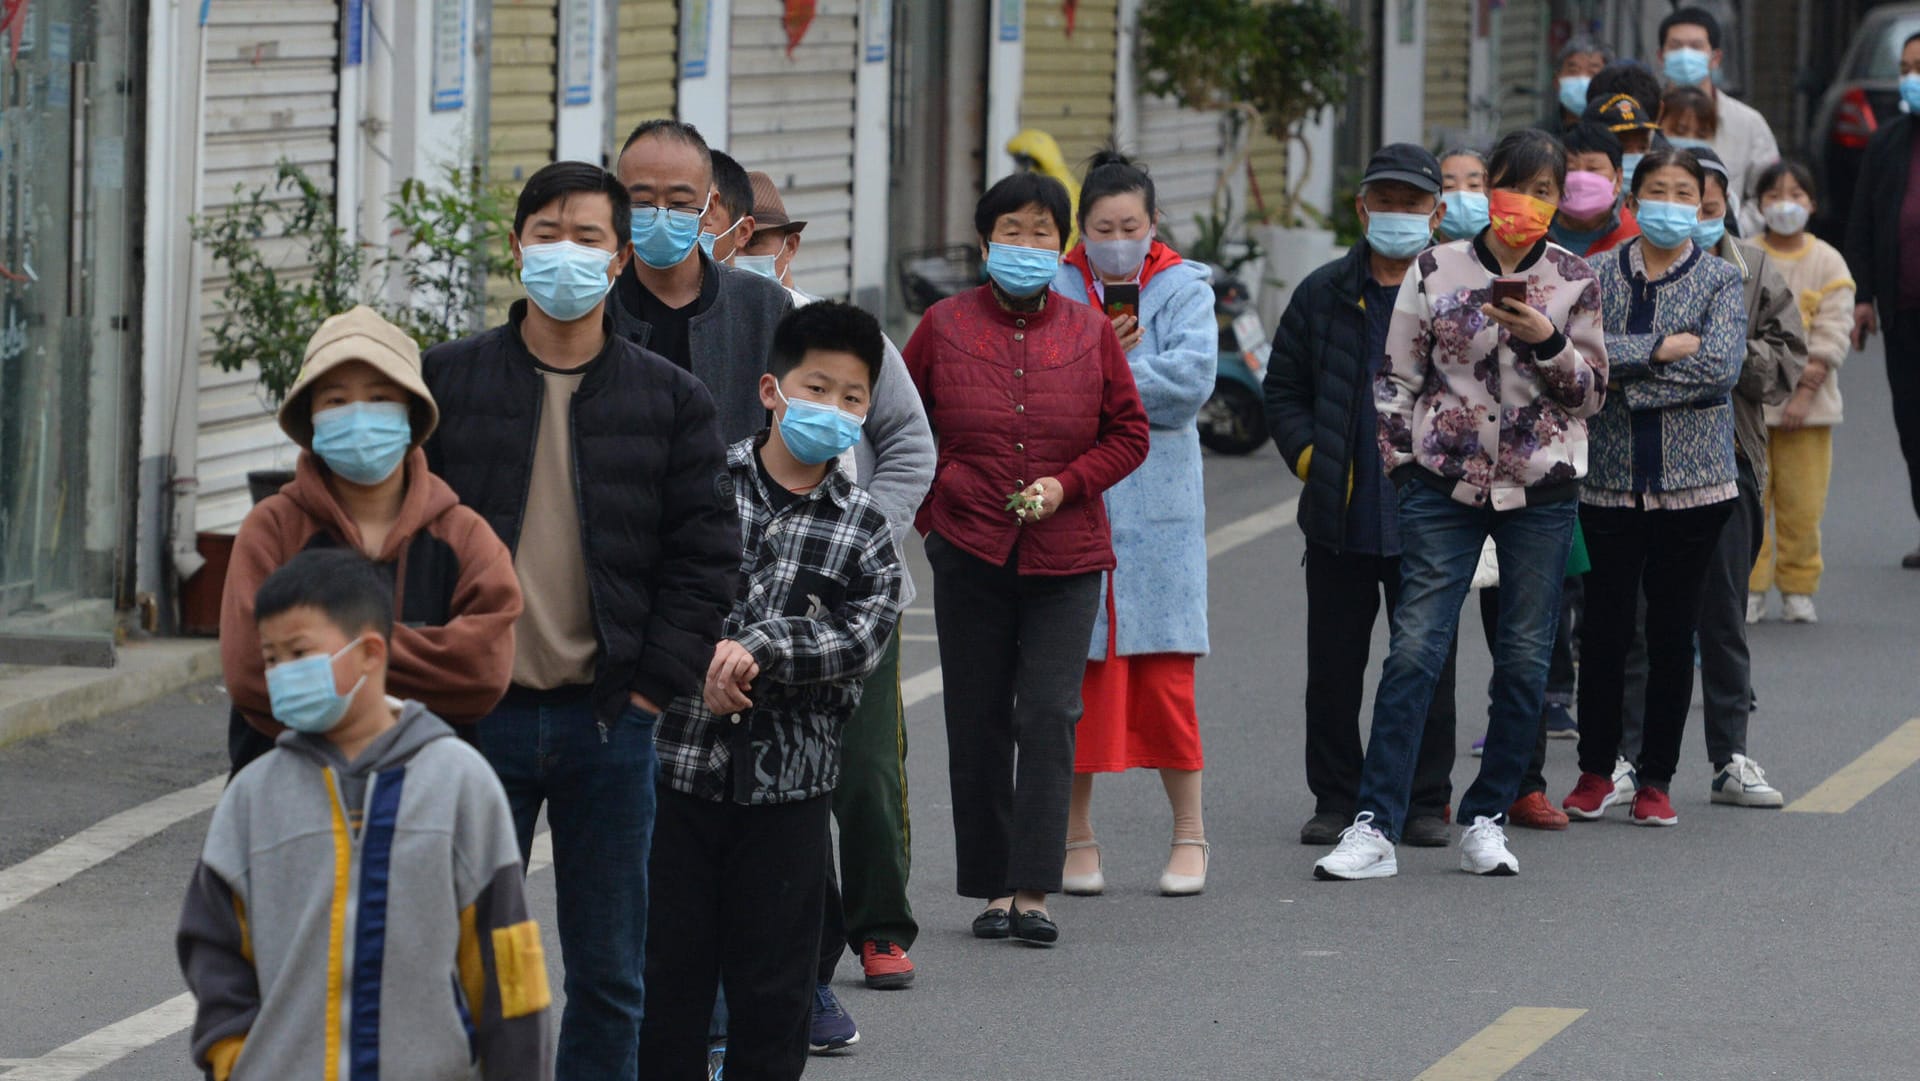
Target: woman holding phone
point(1152, 625)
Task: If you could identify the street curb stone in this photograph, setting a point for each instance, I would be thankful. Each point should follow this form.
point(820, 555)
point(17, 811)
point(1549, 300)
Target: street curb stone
point(36, 701)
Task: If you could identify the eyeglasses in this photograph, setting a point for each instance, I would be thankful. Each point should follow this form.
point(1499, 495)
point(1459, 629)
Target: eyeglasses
point(652, 212)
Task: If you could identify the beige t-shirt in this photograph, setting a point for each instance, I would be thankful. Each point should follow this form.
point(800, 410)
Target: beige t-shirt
point(554, 642)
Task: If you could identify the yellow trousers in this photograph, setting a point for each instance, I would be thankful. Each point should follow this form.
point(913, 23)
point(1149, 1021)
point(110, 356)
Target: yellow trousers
point(1796, 498)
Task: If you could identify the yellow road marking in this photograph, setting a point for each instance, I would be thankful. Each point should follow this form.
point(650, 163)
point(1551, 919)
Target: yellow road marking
point(1502, 1045)
point(1859, 778)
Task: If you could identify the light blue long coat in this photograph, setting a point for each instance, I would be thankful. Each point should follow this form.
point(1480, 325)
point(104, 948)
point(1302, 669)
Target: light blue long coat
point(1159, 512)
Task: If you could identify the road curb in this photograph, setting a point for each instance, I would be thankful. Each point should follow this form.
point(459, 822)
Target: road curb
point(40, 700)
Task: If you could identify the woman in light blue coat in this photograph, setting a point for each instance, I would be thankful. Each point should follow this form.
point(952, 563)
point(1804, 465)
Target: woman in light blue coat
point(1138, 690)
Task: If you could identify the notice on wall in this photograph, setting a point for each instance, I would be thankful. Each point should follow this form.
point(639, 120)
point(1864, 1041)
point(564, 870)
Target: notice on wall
point(576, 51)
point(1012, 12)
point(876, 28)
point(694, 33)
point(449, 55)
point(353, 19)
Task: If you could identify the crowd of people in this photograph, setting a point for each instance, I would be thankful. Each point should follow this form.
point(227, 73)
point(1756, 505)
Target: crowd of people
point(633, 559)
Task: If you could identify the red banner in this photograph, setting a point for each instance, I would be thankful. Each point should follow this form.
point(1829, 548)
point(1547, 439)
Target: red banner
point(13, 22)
point(1072, 8)
point(798, 18)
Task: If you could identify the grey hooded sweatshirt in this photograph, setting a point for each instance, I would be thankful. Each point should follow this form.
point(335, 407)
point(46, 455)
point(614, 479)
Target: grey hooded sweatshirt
point(365, 919)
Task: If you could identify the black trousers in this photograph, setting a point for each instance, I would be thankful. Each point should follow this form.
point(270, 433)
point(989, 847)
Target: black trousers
point(1014, 649)
point(1663, 556)
point(736, 896)
point(1344, 593)
point(1902, 328)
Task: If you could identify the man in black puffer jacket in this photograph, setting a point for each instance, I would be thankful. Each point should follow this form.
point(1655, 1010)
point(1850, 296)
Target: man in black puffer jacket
point(1319, 392)
point(601, 466)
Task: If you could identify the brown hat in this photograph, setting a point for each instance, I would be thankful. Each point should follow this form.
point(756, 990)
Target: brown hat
point(1619, 114)
point(769, 212)
point(359, 334)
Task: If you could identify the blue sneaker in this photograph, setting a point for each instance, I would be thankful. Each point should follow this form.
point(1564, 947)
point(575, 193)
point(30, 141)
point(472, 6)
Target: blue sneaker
point(832, 1027)
point(1560, 723)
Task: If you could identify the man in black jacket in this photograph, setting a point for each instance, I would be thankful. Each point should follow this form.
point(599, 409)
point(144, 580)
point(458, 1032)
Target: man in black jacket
point(1883, 251)
point(1319, 391)
point(601, 467)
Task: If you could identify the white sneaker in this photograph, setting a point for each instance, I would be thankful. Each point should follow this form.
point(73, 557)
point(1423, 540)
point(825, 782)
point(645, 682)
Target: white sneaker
point(1483, 849)
point(1363, 852)
point(1744, 784)
point(1756, 607)
point(1626, 780)
point(1797, 608)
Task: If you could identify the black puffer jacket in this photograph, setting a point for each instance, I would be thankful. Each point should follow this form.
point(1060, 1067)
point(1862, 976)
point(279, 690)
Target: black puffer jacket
point(657, 515)
point(1315, 377)
point(1873, 226)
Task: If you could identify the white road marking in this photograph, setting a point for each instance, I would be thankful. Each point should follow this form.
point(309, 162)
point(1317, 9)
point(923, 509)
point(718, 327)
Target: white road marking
point(108, 1045)
point(1251, 528)
point(104, 840)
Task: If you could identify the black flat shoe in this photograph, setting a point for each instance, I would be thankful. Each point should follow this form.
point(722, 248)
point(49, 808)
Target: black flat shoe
point(1035, 927)
point(1426, 831)
point(993, 923)
point(1324, 829)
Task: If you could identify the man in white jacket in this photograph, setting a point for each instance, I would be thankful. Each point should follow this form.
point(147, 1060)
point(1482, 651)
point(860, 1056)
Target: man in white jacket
point(1689, 54)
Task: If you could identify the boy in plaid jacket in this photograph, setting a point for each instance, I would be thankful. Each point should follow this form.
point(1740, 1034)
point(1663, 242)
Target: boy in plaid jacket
point(740, 843)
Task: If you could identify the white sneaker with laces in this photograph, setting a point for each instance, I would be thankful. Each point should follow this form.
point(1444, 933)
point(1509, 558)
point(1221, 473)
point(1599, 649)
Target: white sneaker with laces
point(1483, 849)
point(1626, 780)
point(1744, 784)
point(1363, 852)
point(1797, 608)
point(1756, 607)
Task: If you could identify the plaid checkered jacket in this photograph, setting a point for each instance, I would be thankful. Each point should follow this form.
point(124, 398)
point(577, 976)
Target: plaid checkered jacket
point(820, 582)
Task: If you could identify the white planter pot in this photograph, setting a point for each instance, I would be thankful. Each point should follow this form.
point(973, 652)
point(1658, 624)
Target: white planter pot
point(1290, 255)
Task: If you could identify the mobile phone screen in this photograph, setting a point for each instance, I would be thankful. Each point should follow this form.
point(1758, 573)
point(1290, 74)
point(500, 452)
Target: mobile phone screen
point(1504, 288)
point(1123, 298)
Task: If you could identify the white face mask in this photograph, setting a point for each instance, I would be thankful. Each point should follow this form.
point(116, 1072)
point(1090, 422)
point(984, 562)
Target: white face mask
point(1786, 217)
point(1120, 257)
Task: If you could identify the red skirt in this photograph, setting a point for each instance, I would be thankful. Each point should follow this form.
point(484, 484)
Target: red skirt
point(1140, 712)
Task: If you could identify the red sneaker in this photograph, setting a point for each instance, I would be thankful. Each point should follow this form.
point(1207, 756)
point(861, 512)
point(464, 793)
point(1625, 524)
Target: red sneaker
point(886, 965)
point(1591, 797)
point(1535, 812)
point(1651, 807)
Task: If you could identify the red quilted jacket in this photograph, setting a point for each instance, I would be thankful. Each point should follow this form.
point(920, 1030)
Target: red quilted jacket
point(1014, 397)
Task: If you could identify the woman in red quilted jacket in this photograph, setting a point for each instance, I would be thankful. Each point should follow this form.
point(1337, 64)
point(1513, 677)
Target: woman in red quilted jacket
point(1036, 414)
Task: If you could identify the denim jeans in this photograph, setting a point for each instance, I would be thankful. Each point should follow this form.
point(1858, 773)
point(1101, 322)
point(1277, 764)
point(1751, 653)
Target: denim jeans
point(596, 779)
point(1441, 541)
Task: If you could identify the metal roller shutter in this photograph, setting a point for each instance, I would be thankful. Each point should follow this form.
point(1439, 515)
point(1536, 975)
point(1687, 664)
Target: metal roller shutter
point(1268, 168)
point(272, 93)
point(1448, 59)
point(1184, 151)
point(523, 89)
point(1521, 63)
point(792, 118)
point(1068, 79)
point(646, 79)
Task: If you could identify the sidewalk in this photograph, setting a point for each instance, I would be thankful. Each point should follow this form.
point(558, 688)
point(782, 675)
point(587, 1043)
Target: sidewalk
point(35, 700)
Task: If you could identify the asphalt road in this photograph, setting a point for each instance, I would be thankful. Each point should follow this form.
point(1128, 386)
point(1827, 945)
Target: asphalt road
point(1743, 944)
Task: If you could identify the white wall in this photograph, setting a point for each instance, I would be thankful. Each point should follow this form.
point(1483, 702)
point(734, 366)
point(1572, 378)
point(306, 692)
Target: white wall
point(872, 153)
point(581, 130)
point(1126, 79)
point(1403, 73)
point(1005, 80)
point(703, 100)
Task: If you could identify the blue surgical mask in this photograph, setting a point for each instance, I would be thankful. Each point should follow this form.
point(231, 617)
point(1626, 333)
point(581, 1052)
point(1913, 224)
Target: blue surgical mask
point(1573, 93)
point(1466, 214)
point(302, 692)
point(1688, 67)
point(1666, 225)
point(1628, 163)
point(1910, 92)
point(1398, 236)
point(364, 442)
point(763, 265)
point(564, 279)
point(1709, 231)
point(664, 238)
point(1118, 258)
point(1021, 271)
point(708, 240)
point(815, 432)
point(1687, 142)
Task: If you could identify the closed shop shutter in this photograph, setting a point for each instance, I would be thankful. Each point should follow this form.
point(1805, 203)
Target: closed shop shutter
point(1068, 78)
point(272, 93)
point(791, 117)
point(1267, 169)
point(1184, 151)
point(522, 96)
point(646, 80)
point(1522, 63)
point(1448, 59)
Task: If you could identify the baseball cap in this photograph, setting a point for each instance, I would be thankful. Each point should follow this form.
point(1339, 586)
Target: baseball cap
point(359, 333)
point(769, 211)
point(1620, 113)
point(1407, 163)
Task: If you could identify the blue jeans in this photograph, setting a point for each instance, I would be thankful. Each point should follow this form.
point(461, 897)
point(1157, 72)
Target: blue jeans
point(1441, 540)
point(596, 779)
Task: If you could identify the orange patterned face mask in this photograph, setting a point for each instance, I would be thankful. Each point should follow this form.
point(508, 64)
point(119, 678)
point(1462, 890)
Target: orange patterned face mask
point(1518, 220)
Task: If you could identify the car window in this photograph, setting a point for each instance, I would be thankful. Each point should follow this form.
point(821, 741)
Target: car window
point(1881, 58)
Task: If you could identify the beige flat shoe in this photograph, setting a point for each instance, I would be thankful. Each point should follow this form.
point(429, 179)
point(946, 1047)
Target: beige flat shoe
point(1087, 885)
point(1172, 885)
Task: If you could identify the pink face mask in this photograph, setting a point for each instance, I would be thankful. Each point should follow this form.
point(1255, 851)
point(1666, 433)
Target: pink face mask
point(1588, 195)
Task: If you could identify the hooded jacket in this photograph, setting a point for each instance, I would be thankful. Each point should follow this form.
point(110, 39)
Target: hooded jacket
point(455, 593)
point(1776, 349)
point(365, 919)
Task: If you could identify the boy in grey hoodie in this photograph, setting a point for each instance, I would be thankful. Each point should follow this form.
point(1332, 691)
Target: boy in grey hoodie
point(358, 909)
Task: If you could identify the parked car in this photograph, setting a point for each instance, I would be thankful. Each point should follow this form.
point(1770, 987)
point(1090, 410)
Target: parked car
point(1865, 94)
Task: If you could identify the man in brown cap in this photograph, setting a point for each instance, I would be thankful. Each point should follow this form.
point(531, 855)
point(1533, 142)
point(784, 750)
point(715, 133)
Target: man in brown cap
point(359, 411)
point(774, 240)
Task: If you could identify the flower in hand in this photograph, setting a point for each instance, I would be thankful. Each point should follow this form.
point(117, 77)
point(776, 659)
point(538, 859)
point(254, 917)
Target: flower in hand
point(1037, 501)
point(729, 677)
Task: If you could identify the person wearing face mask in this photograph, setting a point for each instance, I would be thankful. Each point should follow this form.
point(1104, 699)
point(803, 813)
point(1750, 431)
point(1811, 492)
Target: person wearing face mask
point(1463, 193)
point(1321, 408)
point(728, 222)
point(1637, 127)
point(595, 461)
point(1591, 219)
point(1034, 405)
point(770, 249)
point(1482, 432)
point(1883, 251)
point(1690, 56)
point(1663, 480)
point(1152, 625)
point(359, 411)
point(1688, 119)
point(1580, 59)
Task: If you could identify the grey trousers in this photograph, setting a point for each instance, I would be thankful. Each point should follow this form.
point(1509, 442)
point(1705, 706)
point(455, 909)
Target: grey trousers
point(1013, 648)
point(1726, 669)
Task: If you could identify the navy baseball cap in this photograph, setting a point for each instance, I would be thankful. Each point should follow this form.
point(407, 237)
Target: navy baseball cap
point(1407, 163)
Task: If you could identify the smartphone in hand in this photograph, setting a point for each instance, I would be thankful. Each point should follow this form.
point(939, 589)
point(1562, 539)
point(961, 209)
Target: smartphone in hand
point(1507, 288)
point(1122, 298)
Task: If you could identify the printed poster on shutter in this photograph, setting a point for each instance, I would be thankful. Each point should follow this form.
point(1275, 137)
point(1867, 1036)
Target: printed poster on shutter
point(449, 55)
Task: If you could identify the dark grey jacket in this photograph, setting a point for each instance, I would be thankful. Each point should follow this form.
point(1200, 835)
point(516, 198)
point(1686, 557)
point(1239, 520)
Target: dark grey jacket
point(1776, 350)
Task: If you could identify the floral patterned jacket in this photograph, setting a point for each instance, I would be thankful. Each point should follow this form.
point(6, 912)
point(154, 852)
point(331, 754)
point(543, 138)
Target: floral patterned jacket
point(1490, 420)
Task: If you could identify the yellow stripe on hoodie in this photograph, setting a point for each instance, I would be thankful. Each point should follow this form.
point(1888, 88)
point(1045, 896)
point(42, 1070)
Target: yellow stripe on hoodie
point(337, 929)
